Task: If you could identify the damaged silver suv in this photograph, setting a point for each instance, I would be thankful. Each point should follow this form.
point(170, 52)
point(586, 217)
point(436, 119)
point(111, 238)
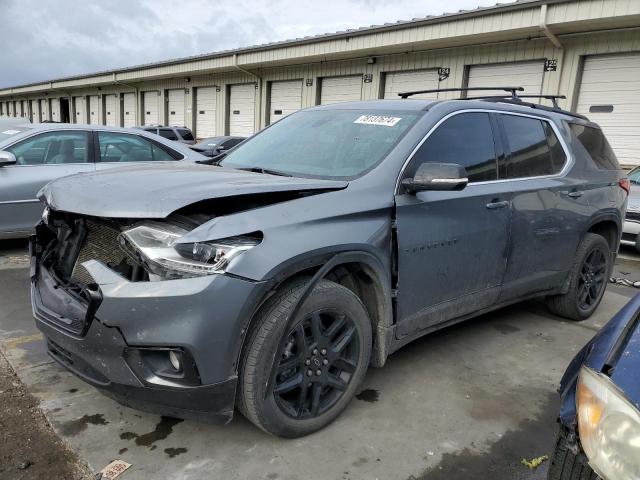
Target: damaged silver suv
point(272, 278)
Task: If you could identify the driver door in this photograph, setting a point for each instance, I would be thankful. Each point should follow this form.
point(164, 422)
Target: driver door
point(40, 159)
point(452, 245)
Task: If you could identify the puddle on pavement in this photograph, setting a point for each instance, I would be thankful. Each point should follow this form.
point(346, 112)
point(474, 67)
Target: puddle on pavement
point(368, 395)
point(506, 329)
point(173, 452)
point(163, 430)
point(74, 427)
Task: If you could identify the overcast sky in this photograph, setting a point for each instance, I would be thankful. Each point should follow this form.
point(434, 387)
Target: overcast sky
point(42, 40)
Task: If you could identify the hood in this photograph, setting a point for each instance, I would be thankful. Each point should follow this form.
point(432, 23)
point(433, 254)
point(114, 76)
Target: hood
point(155, 191)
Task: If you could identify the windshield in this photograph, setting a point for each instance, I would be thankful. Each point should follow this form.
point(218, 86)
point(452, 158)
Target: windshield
point(634, 176)
point(324, 143)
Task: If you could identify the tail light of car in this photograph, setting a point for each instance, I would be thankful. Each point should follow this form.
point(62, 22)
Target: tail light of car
point(625, 184)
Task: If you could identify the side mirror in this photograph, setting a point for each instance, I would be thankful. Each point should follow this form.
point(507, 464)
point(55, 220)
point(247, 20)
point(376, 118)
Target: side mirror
point(437, 176)
point(7, 158)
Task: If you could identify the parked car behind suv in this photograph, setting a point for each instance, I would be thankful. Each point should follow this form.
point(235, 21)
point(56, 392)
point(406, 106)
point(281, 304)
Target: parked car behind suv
point(177, 134)
point(214, 146)
point(631, 229)
point(272, 279)
point(33, 154)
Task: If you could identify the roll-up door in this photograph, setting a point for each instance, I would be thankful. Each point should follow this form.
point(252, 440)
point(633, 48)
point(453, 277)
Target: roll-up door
point(242, 104)
point(55, 110)
point(519, 74)
point(398, 82)
point(151, 101)
point(129, 110)
point(35, 111)
point(285, 98)
point(340, 89)
point(110, 116)
point(94, 110)
point(44, 109)
point(610, 96)
point(175, 108)
point(206, 103)
point(79, 109)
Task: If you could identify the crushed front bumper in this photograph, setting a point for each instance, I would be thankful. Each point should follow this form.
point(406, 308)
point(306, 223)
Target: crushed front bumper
point(205, 316)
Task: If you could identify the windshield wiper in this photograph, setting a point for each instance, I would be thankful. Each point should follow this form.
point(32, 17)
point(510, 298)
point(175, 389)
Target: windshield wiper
point(213, 160)
point(264, 170)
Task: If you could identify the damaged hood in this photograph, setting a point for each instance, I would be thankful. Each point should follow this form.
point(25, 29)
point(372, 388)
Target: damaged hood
point(155, 191)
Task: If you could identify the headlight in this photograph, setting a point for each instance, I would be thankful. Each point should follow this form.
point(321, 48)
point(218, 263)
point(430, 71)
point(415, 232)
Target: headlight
point(155, 245)
point(609, 427)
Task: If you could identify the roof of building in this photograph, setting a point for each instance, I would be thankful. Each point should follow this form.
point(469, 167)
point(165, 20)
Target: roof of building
point(429, 19)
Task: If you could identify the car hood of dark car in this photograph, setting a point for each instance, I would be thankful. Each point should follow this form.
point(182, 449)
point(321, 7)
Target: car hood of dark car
point(158, 190)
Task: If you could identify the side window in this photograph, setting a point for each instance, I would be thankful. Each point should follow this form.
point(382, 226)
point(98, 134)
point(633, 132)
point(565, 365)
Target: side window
point(52, 148)
point(534, 148)
point(167, 133)
point(185, 134)
point(465, 139)
point(125, 147)
point(596, 146)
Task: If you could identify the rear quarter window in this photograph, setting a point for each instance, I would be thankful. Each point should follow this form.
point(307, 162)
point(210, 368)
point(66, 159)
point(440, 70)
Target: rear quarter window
point(185, 134)
point(595, 145)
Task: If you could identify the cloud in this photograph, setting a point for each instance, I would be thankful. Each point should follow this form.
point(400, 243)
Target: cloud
point(58, 38)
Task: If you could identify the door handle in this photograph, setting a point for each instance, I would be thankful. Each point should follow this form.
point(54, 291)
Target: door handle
point(496, 205)
point(575, 194)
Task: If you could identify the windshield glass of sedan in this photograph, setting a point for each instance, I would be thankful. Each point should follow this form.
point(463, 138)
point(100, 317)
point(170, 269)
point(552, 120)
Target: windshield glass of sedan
point(324, 143)
point(9, 131)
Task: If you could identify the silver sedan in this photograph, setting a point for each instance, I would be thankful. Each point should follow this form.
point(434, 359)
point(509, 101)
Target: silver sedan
point(631, 229)
point(31, 155)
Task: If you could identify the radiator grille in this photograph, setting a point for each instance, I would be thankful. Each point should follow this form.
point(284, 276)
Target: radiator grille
point(100, 244)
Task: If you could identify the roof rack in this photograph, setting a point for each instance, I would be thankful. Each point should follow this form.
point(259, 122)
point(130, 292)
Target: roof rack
point(513, 90)
point(514, 98)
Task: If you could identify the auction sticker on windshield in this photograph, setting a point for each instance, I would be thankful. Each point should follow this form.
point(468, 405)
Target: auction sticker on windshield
point(11, 132)
point(377, 120)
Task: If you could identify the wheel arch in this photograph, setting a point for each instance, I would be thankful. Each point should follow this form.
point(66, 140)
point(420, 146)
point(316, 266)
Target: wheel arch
point(360, 271)
point(609, 226)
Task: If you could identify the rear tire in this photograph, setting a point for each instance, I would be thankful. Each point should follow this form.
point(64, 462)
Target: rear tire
point(587, 280)
point(331, 338)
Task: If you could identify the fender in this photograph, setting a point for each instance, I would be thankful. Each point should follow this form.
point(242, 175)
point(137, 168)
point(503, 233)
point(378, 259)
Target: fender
point(327, 260)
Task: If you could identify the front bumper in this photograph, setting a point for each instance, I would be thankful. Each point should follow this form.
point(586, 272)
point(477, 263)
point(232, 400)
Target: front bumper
point(630, 231)
point(206, 316)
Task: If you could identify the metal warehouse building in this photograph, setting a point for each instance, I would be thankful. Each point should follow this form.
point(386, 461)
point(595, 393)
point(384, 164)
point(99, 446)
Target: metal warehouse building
point(588, 50)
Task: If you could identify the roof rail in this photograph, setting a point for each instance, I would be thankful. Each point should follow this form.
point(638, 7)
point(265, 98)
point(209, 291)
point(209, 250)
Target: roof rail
point(513, 90)
point(514, 98)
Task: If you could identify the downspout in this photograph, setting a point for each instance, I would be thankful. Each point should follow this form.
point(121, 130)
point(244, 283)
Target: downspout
point(258, 78)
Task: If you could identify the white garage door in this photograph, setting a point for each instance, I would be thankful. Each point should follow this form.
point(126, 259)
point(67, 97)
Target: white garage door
point(176, 108)
point(340, 89)
point(398, 82)
point(55, 109)
point(206, 103)
point(110, 116)
point(129, 110)
point(94, 110)
point(242, 103)
point(79, 108)
point(521, 74)
point(151, 101)
point(286, 98)
point(610, 96)
point(44, 109)
point(35, 111)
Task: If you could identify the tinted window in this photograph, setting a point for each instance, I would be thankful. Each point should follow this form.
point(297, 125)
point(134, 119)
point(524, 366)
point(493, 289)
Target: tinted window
point(123, 147)
point(185, 134)
point(167, 133)
point(465, 139)
point(52, 148)
point(534, 148)
point(596, 146)
point(324, 143)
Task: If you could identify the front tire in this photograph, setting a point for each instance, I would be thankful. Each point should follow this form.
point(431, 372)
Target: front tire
point(312, 370)
point(587, 281)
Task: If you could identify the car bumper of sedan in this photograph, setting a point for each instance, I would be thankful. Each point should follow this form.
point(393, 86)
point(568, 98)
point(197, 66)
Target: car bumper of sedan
point(120, 339)
point(630, 232)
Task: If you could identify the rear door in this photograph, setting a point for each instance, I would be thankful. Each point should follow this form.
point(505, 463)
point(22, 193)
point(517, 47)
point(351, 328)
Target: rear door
point(452, 245)
point(118, 149)
point(41, 159)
